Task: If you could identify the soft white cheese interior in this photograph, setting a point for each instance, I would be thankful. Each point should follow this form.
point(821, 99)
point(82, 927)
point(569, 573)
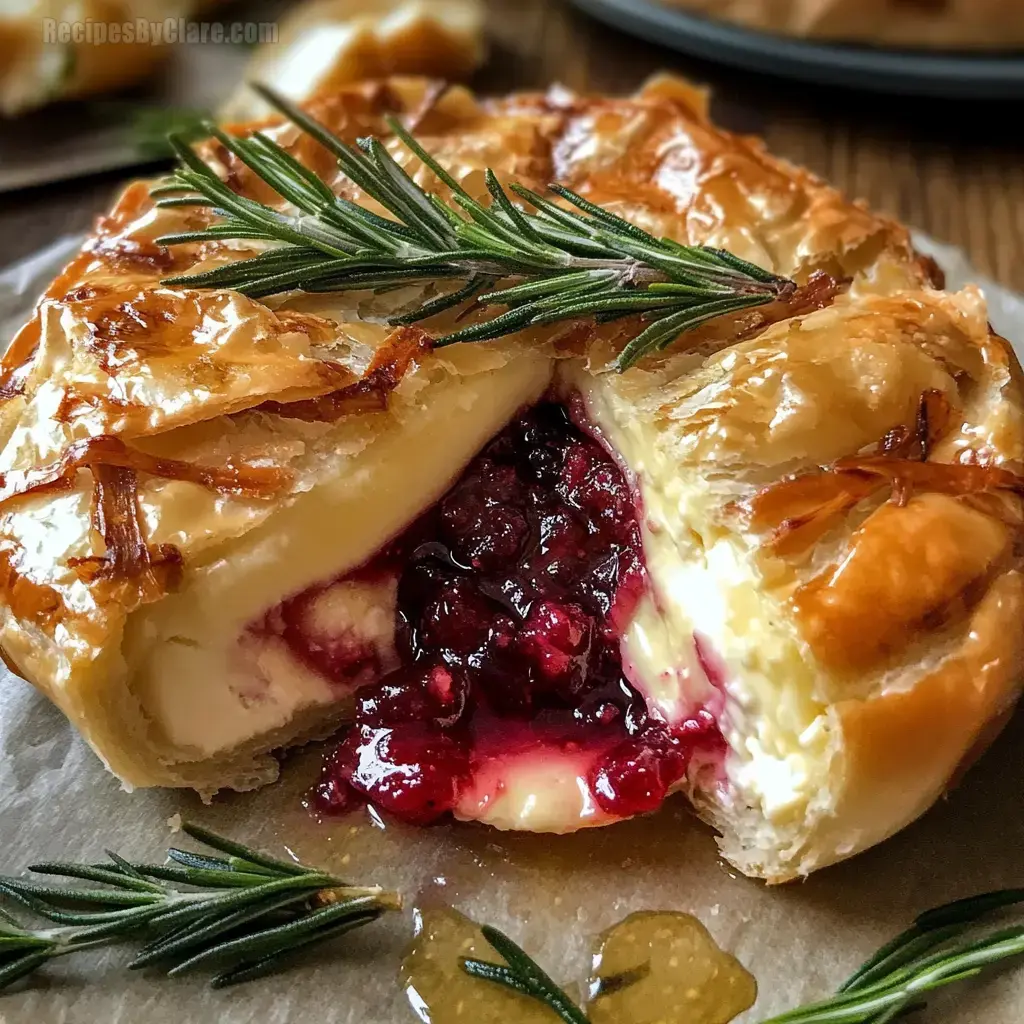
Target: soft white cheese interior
point(706, 584)
point(183, 653)
point(262, 683)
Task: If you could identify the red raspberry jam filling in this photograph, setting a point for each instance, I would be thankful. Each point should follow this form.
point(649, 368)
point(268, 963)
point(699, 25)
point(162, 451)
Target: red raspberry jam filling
point(512, 595)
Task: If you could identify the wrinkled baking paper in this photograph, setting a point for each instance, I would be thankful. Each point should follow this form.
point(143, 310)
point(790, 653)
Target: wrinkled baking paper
point(552, 894)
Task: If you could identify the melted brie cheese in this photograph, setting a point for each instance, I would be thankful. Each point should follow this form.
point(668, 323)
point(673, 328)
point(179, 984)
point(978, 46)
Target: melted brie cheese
point(188, 654)
point(262, 683)
point(542, 790)
point(706, 586)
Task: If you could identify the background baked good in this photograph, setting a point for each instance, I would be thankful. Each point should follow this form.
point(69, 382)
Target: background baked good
point(35, 71)
point(320, 45)
point(323, 45)
point(939, 24)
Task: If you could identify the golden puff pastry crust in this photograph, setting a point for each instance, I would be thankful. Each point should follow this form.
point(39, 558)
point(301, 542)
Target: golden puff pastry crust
point(928, 24)
point(830, 496)
point(860, 604)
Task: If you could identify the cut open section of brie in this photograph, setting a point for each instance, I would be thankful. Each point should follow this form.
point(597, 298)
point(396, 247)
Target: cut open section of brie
point(382, 479)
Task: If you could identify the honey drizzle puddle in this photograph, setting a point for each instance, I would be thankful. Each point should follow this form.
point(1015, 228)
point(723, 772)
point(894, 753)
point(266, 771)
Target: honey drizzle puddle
point(665, 968)
point(651, 968)
point(440, 992)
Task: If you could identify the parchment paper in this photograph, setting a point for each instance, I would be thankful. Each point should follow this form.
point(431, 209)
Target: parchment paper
point(552, 894)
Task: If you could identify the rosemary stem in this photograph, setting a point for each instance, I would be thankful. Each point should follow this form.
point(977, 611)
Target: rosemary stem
point(246, 911)
point(342, 246)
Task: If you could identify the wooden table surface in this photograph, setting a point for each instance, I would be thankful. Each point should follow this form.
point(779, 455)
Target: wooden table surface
point(955, 171)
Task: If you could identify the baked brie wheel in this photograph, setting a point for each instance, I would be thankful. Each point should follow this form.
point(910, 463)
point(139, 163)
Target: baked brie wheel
point(775, 567)
point(930, 24)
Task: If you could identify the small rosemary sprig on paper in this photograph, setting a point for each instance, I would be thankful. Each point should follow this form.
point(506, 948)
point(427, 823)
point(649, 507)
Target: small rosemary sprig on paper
point(554, 262)
point(235, 910)
point(940, 948)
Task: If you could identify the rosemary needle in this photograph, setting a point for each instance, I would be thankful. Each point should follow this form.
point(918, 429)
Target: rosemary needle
point(523, 974)
point(231, 906)
point(566, 258)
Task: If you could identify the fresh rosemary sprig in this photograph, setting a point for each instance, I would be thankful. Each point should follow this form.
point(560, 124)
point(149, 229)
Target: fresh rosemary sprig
point(244, 913)
point(939, 949)
point(554, 262)
point(239, 911)
point(151, 128)
point(147, 127)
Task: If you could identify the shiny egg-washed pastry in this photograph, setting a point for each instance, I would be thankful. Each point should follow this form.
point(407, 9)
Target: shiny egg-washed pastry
point(935, 24)
point(830, 507)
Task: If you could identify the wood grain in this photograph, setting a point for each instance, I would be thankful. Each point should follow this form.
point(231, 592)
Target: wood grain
point(953, 170)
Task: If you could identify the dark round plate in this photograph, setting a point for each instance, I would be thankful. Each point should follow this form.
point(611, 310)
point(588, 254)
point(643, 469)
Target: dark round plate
point(911, 73)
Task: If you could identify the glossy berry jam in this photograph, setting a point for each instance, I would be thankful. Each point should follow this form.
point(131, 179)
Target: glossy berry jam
point(512, 594)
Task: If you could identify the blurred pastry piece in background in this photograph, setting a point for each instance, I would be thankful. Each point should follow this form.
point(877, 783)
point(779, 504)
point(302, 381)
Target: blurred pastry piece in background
point(917, 24)
point(38, 65)
point(325, 44)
